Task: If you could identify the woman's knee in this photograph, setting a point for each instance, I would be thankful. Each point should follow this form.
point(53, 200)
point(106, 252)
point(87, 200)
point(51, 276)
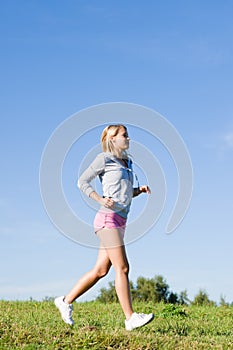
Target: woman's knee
point(123, 269)
point(103, 271)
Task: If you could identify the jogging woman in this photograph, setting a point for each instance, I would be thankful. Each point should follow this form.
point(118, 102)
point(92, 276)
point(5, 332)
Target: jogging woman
point(114, 168)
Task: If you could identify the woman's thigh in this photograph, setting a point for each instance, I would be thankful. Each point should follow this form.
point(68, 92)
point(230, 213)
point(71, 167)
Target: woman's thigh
point(103, 262)
point(113, 243)
point(111, 237)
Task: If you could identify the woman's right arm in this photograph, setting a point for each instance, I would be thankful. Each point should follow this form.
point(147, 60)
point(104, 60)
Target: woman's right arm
point(94, 169)
point(84, 182)
point(104, 201)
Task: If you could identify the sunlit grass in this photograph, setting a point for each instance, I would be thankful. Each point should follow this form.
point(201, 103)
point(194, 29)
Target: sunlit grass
point(37, 325)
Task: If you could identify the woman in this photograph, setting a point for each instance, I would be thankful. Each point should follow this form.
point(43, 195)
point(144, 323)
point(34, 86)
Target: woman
point(114, 168)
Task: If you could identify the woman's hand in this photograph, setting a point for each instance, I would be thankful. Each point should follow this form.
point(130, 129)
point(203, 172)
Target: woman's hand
point(145, 189)
point(104, 201)
point(141, 189)
point(107, 202)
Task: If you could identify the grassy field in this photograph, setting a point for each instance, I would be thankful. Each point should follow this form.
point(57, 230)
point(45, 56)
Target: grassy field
point(37, 325)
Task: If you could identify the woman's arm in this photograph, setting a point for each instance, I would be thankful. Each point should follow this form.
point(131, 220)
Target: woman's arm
point(141, 189)
point(84, 182)
point(94, 169)
point(104, 201)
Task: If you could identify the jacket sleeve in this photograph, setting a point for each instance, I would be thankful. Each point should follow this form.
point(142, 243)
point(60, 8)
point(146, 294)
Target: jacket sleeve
point(94, 169)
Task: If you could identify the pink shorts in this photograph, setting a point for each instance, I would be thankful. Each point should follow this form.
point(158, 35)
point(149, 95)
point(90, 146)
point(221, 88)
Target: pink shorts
point(109, 220)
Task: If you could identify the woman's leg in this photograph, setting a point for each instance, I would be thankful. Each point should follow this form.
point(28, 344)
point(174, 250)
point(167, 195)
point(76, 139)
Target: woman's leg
point(112, 252)
point(112, 240)
point(100, 269)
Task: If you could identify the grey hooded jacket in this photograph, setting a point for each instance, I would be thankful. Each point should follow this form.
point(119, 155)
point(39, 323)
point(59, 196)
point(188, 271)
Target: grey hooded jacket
point(116, 179)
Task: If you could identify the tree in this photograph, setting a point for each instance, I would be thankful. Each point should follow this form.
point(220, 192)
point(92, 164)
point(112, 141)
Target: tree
point(161, 289)
point(146, 289)
point(173, 298)
point(202, 298)
point(183, 298)
point(223, 301)
point(154, 289)
point(108, 295)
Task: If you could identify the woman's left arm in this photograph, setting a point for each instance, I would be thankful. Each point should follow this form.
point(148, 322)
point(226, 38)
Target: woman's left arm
point(141, 189)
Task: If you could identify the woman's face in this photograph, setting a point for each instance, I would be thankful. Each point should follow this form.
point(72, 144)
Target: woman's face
point(121, 140)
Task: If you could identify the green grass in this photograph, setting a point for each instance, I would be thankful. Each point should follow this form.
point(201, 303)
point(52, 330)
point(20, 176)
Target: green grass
point(37, 325)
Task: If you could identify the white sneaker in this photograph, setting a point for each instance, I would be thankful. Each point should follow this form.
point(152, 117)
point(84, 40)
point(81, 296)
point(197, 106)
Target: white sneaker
point(138, 320)
point(65, 310)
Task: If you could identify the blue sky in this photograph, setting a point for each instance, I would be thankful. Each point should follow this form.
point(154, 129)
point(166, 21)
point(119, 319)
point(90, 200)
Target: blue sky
point(58, 58)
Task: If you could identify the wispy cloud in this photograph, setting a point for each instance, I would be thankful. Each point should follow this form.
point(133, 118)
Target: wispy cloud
point(225, 144)
point(221, 143)
point(228, 140)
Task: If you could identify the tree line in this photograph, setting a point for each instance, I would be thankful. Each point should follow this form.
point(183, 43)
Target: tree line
point(157, 290)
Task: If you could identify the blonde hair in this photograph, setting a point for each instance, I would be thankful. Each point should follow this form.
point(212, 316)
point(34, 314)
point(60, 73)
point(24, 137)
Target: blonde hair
point(106, 142)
